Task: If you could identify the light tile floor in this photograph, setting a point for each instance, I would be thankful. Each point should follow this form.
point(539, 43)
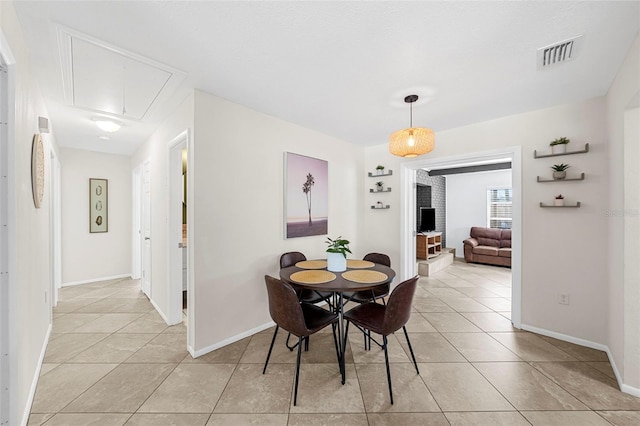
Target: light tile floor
point(111, 360)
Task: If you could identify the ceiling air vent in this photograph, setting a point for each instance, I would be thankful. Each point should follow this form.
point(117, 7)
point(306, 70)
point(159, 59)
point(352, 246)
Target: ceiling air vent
point(558, 53)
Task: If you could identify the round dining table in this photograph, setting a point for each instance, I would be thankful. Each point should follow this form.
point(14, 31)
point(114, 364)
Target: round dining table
point(359, 276)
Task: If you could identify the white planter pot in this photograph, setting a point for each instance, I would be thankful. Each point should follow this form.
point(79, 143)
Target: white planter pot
point(559, 149)
point(336, 262)
point(379, 172)
point(559, 175)
point(379, 188)
point(558, 202)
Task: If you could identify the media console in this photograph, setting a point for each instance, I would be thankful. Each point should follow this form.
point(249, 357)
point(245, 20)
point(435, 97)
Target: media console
point(428, 245)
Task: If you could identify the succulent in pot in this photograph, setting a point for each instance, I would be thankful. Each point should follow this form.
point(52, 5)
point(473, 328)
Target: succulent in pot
point(379, 169)
point(560, 171)
point(379, 185)
point(559, 201)
point(559, 146)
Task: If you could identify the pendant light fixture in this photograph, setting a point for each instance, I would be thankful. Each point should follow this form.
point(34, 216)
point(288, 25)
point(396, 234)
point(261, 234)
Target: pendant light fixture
point(413, 141)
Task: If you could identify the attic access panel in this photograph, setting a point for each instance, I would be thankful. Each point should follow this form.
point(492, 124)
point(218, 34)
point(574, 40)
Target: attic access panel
point(109, 81)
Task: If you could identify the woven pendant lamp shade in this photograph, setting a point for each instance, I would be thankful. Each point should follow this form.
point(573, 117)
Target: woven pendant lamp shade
point(400, 144)
point(414, 141)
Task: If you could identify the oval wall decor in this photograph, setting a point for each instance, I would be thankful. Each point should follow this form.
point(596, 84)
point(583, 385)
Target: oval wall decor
point(37, 170)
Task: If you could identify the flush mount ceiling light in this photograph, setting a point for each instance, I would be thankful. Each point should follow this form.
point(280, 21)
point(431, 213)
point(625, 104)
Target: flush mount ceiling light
point(413, 141)
point(107, 125)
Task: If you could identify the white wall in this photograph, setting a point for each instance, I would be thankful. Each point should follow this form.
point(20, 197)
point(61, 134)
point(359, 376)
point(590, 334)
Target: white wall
point(83, 253)
point(467, 203)
point(238, 221)
point(29, 256)
point(559, 246)
point(624, 332)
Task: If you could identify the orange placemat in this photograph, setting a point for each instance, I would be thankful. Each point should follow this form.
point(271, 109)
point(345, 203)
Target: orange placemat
point(312, 277)
point(359, 264)
point(365, 277)
point(312, 264)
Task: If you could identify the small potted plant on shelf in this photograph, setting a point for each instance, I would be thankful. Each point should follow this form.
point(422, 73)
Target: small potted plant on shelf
point(559, 201)
point(337, 254)
point(379, 169)
point(379, 205)
point(560, 171)
point(379, 186)
point(559, 146)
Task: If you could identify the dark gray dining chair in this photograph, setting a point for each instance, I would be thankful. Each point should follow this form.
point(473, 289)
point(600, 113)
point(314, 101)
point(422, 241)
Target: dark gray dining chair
point(386, 319)
point(366, 296)
point(304, 296)
point(299, 319)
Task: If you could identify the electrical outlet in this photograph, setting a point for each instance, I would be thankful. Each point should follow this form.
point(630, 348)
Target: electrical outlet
point(563, 298)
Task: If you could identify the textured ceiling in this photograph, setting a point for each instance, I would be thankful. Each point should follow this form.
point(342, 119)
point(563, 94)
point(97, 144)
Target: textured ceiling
point(342, 68)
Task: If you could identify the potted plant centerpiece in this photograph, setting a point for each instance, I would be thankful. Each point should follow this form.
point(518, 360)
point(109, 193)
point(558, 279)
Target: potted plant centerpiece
point(379, 186)
point(559, 201)
point(337, 254)
point(379, 169)
point(559, 146)
point(560, 171)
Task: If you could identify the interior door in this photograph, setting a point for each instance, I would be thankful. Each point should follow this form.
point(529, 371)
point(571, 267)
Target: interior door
point(146, 229)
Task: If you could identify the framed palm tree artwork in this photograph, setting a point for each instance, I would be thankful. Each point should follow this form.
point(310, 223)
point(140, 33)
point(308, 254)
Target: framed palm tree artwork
point(306, 196)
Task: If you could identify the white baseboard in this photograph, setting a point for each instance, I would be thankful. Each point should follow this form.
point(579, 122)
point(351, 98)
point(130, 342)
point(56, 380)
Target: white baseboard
point(160, 312)
point(36, 376)
point(232, 339)
point(95, 280)
point(566, 338)
point(589, 344)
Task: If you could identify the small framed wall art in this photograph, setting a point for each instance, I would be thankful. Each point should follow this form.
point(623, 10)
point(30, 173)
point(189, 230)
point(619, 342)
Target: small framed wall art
point(98, 205)
point(37, 170)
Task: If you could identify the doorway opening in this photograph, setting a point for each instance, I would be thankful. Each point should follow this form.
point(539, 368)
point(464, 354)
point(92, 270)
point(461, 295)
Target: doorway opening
point(145, 229)
point(56, 230)
point(409, 208)
point(180, 235)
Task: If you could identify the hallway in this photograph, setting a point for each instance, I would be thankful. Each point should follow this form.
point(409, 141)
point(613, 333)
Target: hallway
point(112, 360)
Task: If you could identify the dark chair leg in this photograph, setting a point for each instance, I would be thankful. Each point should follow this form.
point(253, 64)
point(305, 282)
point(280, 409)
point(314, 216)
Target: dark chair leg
point(291, 348)
point(275, 333)
point(364, 335)
point(406, 335)
point(295, 392)
point(344, 351)
point(335, 342)
point(386, 360)
point(306, 344)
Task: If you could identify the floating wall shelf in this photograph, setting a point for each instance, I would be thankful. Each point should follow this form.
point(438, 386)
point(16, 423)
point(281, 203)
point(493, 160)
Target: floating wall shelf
point(561, 180)
point(384, 174)
point(380, 208)
point(570, 206)
point(585, 150)
point(384, 190)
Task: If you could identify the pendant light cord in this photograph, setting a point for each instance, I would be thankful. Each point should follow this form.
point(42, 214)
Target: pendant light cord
point(411, 119)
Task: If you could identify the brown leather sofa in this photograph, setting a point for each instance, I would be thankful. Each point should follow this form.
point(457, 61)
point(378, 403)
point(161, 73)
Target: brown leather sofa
point(488, 245)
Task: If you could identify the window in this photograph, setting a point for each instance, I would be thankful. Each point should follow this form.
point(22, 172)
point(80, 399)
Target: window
point(499, 208)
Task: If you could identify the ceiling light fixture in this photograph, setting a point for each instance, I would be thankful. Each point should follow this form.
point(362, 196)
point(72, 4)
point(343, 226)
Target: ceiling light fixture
point(413, 141)
point(108, 125)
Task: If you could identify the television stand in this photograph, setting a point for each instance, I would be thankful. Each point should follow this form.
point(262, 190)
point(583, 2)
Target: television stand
point(428, 245)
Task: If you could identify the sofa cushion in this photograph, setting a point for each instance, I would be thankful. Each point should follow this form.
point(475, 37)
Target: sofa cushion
point(504, 252)
point(505, 238)
point(486, 236)
point(486, 250)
